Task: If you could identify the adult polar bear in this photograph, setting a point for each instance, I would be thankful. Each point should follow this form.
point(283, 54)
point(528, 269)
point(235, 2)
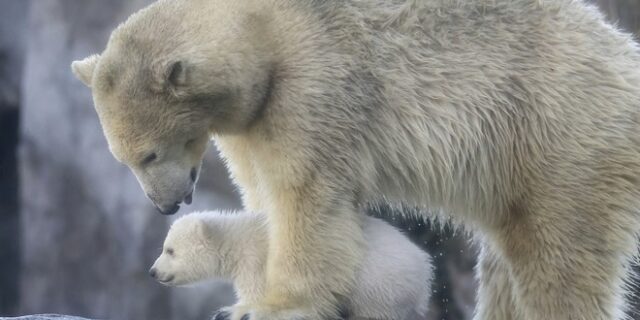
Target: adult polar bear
point(519, 118)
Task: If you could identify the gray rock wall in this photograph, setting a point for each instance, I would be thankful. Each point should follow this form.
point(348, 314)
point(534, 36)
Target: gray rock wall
point(12, 25)
point(12, 40)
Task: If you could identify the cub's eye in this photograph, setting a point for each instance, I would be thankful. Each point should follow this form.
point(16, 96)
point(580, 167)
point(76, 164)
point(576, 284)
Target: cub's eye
point(169, 251)
point(190, 143)
point(148, 159)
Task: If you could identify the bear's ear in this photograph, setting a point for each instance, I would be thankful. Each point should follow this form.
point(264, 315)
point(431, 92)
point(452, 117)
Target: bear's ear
point(201, 228)
point(170, 76)
point(83, 69)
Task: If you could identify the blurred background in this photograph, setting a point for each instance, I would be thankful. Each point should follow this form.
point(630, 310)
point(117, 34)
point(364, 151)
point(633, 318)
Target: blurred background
point(77, 235)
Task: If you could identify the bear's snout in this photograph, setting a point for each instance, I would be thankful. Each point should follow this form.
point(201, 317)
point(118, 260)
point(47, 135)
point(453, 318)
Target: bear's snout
point(172, 209)
point(153, 272)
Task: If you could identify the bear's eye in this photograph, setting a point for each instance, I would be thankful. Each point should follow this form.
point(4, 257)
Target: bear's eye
point(169, 251)
point(190, 143)
point(148, 159)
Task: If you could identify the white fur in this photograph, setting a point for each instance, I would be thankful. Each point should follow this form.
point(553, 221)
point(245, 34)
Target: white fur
point(393, 281)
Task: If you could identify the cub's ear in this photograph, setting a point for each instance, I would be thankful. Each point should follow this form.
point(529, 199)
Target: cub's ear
point(83, 69)
point(201, 228)
point(170, 76)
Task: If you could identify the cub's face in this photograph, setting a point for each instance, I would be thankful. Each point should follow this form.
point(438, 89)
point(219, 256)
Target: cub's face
point(158, 114)
point(186, 256)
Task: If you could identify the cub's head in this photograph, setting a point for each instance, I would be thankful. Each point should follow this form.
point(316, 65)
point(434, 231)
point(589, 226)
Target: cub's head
point(189, 254)
point(163, 87)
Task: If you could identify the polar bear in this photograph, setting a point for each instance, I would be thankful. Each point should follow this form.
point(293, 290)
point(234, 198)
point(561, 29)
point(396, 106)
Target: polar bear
point(519, 119)
point(392, 282)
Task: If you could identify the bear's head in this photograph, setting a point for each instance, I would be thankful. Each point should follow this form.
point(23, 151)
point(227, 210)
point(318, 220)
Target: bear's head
point(190, 252)
point(164, 87)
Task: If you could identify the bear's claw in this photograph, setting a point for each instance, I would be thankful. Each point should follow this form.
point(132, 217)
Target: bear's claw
point(222, 315)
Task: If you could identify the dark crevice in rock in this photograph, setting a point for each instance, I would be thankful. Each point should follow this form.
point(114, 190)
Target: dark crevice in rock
point(9, 214)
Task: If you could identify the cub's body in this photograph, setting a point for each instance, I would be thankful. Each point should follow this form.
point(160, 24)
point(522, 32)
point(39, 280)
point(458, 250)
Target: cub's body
point(393, 281)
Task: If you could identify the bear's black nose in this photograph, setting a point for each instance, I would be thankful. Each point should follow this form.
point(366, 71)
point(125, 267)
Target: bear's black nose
point(152, 273)
point(169, 211)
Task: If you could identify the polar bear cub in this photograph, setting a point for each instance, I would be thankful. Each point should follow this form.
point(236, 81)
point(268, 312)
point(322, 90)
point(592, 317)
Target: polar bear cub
point(394, 280)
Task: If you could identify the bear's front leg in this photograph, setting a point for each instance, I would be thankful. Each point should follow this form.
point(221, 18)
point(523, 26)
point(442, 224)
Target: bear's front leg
point(238, 311)
point(495, 294)
point(316, 245)
point(223, 313)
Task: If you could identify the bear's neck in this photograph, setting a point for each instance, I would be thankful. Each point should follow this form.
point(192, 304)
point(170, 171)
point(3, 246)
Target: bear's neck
point(245, 252)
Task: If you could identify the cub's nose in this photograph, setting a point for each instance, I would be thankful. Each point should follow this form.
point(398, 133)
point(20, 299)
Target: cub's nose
point(153, 273)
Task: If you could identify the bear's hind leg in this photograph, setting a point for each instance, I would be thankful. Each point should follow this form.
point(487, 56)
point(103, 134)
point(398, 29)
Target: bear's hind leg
point(567, 264)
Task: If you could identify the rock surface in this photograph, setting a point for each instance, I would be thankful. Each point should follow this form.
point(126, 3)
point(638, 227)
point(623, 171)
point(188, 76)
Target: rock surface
point(45, 317)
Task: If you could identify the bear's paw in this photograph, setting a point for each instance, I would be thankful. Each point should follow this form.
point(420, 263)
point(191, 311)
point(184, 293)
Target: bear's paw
point(293, 314)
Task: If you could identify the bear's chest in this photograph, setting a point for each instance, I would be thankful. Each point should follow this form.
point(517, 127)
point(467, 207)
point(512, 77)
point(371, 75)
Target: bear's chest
point(259, 166)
